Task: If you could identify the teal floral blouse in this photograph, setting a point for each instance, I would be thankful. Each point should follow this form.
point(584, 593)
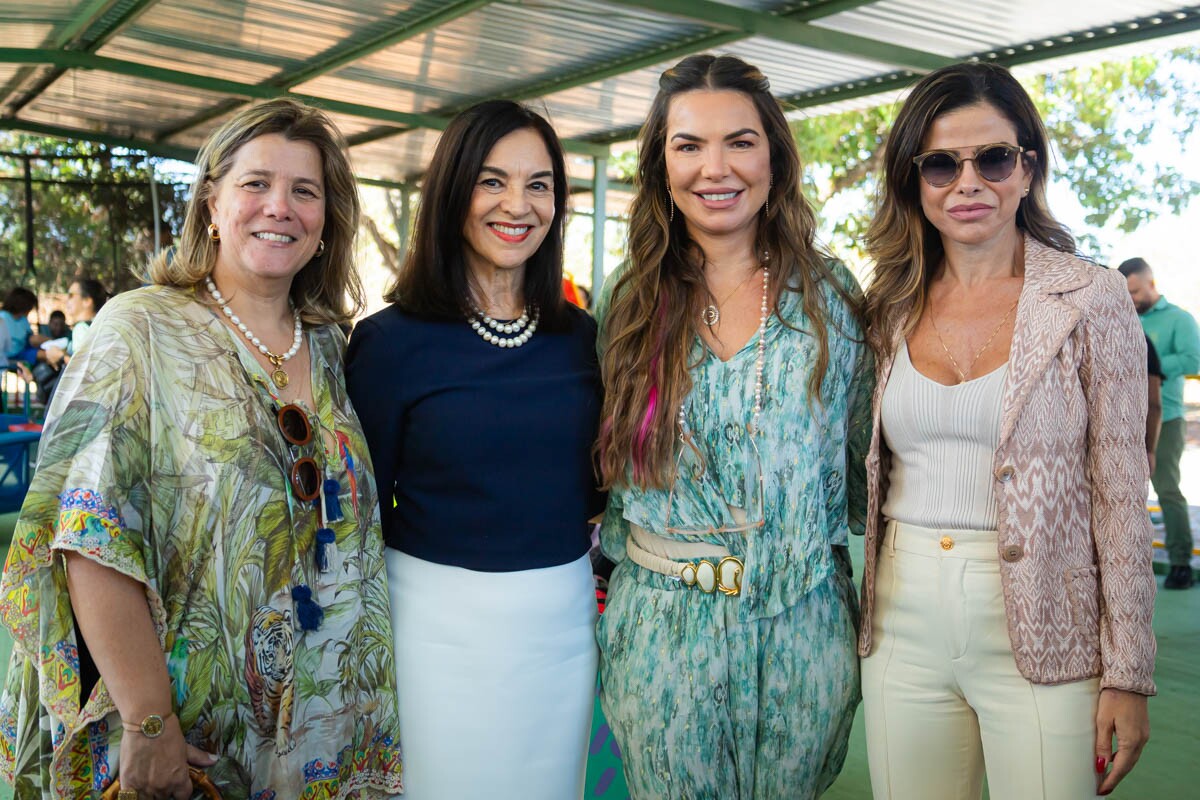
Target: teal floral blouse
point(811, 456)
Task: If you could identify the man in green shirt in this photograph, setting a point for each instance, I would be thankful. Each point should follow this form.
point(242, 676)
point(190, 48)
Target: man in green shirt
point(1176, 337)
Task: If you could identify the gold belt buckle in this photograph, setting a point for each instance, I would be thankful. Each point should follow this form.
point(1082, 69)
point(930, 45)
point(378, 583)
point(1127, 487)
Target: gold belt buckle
point(725, 576)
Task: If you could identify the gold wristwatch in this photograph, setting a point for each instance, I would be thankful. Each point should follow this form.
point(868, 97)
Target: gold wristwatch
point(151, 727)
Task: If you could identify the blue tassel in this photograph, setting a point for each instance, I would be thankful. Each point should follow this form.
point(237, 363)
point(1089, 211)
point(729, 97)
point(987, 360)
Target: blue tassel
point(325, 537)
point(333, 510)
point(309, 614)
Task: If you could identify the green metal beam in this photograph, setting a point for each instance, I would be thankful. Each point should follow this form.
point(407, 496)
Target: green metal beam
point(405, 30)
point(148, 146)
point(91, 12)
point(129, 143)
point(71, 59)
point(1086, 41)
point(75, 35)
point(340, 56)
point(670, 51)
point(774, 26)
point(1128, 32)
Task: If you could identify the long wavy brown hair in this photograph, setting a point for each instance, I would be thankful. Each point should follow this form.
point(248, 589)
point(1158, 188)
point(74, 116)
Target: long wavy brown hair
point(653, 314)
point(906, 248)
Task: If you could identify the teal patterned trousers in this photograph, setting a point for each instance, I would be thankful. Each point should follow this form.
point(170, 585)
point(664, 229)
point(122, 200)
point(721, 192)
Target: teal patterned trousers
point(705, 707)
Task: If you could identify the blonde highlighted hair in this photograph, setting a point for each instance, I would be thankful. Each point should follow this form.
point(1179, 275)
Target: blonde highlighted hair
point(327, 290)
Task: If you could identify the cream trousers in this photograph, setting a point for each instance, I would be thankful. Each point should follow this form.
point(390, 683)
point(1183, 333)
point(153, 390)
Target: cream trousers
point(942, 696)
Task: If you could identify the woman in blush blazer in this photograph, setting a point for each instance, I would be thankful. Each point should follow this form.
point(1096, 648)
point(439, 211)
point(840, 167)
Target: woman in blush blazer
point(1008, 589)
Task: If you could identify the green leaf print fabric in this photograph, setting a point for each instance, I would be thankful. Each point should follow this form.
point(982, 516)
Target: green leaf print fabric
point(162, 460)
point(812, 456)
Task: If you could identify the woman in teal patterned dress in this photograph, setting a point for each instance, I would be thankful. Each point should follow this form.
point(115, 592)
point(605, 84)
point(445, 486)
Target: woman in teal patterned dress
point(197, 575)
point(737, 407)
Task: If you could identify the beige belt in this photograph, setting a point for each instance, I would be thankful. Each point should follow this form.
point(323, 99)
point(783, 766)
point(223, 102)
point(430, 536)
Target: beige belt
point(707, 567)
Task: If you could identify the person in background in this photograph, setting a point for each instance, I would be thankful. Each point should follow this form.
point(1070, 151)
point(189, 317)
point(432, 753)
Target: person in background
point(85, 298)
point(23, 342)
point(1176, 339)
point(1154, 409)
point(56, 326)
point(197, 575)
point(479, 392)
point(737, 410)
point(1007, 591)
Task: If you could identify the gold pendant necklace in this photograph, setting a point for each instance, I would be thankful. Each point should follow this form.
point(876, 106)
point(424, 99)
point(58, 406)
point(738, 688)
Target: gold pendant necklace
point(710, 315)
point(962, 376)
point(278, 376)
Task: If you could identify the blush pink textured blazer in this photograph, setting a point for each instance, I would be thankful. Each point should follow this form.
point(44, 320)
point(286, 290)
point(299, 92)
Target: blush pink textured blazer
point(1069, 479)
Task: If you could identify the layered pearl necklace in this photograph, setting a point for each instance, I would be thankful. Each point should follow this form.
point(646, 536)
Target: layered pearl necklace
point(759, 361)
point(502, 334)
point(278, 376)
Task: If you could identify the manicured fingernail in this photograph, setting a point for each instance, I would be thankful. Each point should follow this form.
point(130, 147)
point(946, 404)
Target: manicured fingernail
point(1101, 763)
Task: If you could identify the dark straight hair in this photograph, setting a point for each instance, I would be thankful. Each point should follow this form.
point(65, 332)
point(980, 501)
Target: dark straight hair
point(433, 278)
point(93, 290)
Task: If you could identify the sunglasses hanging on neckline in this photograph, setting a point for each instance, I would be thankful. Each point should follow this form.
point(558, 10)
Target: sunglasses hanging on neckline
point(304, 475)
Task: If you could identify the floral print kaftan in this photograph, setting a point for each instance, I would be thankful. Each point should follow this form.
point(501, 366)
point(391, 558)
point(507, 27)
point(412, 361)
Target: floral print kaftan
point(162, 459)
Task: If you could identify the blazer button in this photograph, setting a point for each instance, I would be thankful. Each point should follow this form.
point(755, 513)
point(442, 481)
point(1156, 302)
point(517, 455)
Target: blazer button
point(1006, 473)
point(1012, 552)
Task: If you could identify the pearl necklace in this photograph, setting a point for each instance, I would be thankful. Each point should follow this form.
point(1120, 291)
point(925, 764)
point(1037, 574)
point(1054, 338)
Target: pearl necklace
point(501, 334)
point(278, 375)
point(759, 362)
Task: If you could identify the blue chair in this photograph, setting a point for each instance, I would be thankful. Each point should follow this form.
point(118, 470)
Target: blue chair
point(17, 450)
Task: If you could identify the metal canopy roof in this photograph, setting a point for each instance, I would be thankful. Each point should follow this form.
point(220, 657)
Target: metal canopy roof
point(158, 75)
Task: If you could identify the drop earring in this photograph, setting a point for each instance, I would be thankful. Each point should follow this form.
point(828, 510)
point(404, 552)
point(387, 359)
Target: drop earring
point(671, 205)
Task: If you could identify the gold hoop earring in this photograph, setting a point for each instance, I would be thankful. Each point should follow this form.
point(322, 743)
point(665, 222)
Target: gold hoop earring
point(214, 233)
point(320, 248)
point(671, 204)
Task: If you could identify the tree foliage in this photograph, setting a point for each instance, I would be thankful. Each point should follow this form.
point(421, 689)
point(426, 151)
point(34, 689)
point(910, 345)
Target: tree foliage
point(1105, 122)
point(92, 213)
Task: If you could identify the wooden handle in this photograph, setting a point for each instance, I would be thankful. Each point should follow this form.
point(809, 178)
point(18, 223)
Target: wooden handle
point(200, 783)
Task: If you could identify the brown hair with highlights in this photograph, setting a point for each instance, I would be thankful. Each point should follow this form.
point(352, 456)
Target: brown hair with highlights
point(327, 290)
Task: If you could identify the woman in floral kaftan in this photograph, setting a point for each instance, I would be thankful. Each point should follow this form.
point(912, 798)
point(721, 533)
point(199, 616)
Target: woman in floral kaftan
point(197, 575)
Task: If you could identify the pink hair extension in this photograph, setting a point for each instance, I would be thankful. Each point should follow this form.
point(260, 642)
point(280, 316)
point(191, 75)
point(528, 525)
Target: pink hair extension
point(639, 442)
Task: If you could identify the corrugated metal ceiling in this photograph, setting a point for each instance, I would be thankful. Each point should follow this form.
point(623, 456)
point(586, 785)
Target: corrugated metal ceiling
point(161, 74)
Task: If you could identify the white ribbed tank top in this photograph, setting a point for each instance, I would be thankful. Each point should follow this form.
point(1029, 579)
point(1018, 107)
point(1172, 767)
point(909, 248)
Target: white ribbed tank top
point(942, 440)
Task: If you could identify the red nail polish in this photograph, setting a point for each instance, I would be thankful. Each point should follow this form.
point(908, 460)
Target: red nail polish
point(1101, 763)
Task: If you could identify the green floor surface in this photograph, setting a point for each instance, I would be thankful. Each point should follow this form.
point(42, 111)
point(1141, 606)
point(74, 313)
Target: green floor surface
point(1169, 768)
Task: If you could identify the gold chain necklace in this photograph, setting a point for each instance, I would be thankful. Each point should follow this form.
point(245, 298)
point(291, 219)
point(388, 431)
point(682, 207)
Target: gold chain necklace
point(711, 313)
point(962, 376)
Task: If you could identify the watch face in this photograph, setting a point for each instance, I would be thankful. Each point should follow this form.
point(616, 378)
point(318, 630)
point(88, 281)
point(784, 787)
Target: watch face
point(152, 726)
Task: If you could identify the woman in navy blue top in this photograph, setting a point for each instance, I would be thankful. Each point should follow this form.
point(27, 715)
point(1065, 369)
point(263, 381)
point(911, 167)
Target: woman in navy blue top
point(479, 392)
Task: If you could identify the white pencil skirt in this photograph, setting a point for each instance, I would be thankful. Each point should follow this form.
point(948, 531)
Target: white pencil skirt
point(496, 673)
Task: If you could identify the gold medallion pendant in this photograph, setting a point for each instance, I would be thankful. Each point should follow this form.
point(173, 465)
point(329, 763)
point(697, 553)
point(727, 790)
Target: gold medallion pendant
point(278, 376)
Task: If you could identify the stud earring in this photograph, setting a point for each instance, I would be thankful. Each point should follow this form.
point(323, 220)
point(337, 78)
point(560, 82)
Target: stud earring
point(213, 232)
